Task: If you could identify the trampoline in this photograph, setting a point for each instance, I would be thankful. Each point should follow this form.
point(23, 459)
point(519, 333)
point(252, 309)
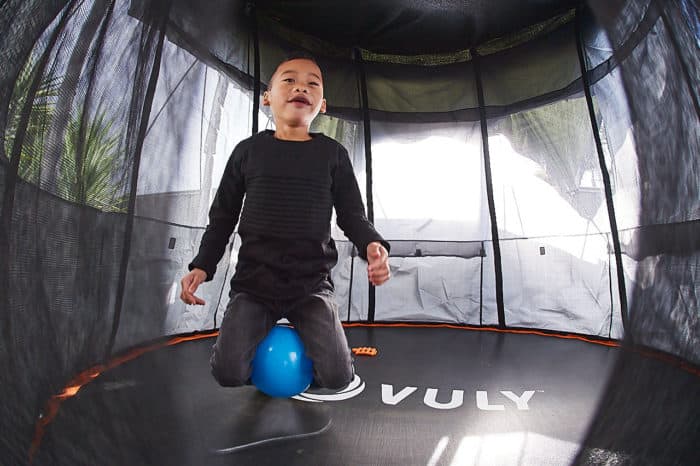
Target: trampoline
point(534, 164)
point(512, 398)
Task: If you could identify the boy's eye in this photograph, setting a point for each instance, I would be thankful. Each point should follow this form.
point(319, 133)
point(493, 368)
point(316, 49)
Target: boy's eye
point(313, 83)
point(288, 80)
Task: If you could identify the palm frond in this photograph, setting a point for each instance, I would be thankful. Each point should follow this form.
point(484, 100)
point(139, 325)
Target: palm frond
point(91, 163)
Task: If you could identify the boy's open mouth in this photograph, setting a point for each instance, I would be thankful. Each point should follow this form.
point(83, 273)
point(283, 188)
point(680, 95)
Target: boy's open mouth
point(300, 99)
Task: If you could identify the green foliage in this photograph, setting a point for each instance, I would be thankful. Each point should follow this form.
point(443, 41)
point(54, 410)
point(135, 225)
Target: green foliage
point(89, 169)
point(89, 164)
point(556, 136)
point(41, 113)
point(343, 131)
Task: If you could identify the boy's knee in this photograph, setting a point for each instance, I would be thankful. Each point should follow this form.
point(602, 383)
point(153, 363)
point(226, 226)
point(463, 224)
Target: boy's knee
point(337, 378)
point(228, 378)
point(338, 383)
point(227, 375)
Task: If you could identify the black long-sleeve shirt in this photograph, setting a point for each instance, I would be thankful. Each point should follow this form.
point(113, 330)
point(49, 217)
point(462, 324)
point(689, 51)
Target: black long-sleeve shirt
point(290, 189)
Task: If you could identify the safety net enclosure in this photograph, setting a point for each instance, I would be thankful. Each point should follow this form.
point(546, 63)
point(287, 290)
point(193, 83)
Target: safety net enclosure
point(535, 165)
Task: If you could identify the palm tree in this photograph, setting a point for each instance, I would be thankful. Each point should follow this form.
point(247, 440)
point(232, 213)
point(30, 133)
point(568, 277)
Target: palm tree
point(90, 164)
point(39, 119)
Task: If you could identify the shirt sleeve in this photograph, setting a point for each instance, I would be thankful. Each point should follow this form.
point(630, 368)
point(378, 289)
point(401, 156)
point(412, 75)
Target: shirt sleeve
point(350, 210)
point(223, 215)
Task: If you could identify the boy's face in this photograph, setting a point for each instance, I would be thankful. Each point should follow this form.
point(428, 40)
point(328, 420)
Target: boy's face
point(295, 95)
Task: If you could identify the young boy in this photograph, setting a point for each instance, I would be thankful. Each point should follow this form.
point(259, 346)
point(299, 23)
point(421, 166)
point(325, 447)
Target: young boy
point(291, 180)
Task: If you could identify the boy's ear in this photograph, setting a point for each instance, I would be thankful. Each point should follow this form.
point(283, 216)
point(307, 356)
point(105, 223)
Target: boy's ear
point(266, 98)
point(323, 106)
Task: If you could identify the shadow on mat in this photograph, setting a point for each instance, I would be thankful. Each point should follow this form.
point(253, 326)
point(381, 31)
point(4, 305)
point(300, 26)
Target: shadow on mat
point(259, 420)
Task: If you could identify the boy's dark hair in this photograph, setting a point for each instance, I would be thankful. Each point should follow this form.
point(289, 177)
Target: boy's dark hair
point(299, 55)
point(296, 55)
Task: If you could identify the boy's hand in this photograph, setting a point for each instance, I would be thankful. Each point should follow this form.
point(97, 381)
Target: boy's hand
point(377, 263)
point(190, 283)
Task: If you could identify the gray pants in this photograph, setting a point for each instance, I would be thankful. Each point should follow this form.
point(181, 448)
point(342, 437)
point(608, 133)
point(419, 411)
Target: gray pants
point(248, 319)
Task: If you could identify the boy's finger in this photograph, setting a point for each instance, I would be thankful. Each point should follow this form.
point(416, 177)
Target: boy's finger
point(379, 279)
point(193, 286)
point(380, 272)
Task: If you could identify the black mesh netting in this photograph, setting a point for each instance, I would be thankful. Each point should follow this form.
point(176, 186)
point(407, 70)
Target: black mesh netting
point(661, 82)
point(477, 156)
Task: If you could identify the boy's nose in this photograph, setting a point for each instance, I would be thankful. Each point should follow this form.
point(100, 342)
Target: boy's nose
point(301, 89)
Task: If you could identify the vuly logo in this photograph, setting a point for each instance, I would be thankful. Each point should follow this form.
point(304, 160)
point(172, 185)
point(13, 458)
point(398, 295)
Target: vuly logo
point(392, 397)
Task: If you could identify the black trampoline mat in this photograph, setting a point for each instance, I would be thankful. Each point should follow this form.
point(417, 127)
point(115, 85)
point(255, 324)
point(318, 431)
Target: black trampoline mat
point(431, 396)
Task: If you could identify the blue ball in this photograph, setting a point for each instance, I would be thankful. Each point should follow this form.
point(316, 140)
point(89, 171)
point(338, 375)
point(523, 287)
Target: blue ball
point(280, 366)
